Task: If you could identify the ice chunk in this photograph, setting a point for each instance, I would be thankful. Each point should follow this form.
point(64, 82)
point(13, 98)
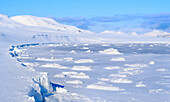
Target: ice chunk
point(84, 68)
point(84, 61)
point(105, 45)
point(72, 51)
point(54, 65)
point(73, 75)
point(88, 51)
point(59, 75)
point(162, 70)
point(118, 59)
point(104, 86)
point(67, 73)
point(85, 48)
point(61, 90)
point(46, 59)
point(151, 62)
point(121, 81)
point(80, 75)
point(85, 44)
point(118, 75)
point(140, 84)
point(110, 51)
point(44, 81)
point(54, 45)
point(112, 67)
point(136, 65)
point(130, 69)
point(75, 45)
point(132, 72)
point(68, 59)
point(156, 90)
point(116, 80)
point(74, 82)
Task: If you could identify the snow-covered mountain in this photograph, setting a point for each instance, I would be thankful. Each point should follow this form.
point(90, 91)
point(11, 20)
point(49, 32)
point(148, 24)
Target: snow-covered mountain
point(46, 23)
point(157, 33)
point(38, 29)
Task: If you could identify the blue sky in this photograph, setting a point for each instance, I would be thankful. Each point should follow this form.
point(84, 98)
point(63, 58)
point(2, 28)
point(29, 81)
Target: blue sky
point(82, 8)
point(96, 15)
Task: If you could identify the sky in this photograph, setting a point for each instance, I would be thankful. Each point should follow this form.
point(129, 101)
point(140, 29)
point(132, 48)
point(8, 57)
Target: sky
point(82, 8)
point(96, 15)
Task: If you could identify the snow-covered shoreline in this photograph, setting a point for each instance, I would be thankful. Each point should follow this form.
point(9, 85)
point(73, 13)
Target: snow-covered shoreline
point(16, 80)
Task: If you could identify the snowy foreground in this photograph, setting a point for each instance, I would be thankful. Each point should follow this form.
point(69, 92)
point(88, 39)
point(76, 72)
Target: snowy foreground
point(42, 60)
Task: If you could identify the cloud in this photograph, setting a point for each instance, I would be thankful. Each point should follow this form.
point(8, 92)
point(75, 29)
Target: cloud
point(119, 22)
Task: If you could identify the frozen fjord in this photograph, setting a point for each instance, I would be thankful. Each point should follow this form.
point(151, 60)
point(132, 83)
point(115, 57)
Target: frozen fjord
point(135, 72)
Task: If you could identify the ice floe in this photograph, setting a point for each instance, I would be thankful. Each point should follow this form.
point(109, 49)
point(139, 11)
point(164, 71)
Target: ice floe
point(116, 80)
point(72, 51)
point(104, 86)
point(85, 48)
point(110, 51)
point(158, 91)
point(105, 45)
point(84, 61)
point(77, 86)
point(85, 44)
point(112, 67)
point(118, 59)
point(119, 75)
point(30, 64)
point(74, 82)
point(23, 57)
point(88, 51)
point(130, 69)
point(136, 65)
point(80, 75)
point(121, 81)
point(54, 65)
point(54, 45)
point(132, 72)
point(75, 45)
point(162, 70)
point(61, 90)
point(46, 59)
point(68, 59)
point(68, 73)
point(83, 68)
point(59, 76)
point(151, 62)
point(72, 74)
point(64, 96)
point(140, 84)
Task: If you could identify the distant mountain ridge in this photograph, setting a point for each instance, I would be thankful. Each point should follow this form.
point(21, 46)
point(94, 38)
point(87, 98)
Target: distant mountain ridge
point(33, 21)
point(26, 28)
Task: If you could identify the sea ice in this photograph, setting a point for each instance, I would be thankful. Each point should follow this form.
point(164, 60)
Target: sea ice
point(110, 51)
